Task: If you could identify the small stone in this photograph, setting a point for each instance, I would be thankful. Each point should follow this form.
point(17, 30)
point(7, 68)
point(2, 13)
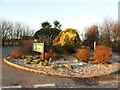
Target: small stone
point(50, 59)
point(81, 64)
point(76, 60)
point(40, 64)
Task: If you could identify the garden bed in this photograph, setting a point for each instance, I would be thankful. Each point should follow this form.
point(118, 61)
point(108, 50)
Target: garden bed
point(75, 68)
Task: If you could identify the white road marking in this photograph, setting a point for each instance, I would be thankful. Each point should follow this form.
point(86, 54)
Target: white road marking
point(44, 85)
point(11, 87)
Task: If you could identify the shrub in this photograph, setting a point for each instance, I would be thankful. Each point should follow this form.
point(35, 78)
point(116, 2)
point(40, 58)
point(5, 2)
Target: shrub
point(30, 59)
point(28, 62)
point(54, 67)
point(26, 46)
point(83, 54)
point(23, 57)
point(45, 63)
point(37, 61)
point(67, 37)
point(87, 47)
point(15, 54)
point(102, 54)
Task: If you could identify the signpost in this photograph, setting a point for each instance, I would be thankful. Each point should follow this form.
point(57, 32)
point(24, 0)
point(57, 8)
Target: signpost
point(39, 47)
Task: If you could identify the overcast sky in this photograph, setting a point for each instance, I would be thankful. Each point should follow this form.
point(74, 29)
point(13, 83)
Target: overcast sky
point(76, 14)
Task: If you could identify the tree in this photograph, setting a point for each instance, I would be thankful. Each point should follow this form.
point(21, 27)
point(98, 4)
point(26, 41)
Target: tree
point(15, 30)
point(57, 24)
point(92, 35)
point(45, 25)
point(106, 32)
point(46, 34)
point(6, 28)
point(110, 34)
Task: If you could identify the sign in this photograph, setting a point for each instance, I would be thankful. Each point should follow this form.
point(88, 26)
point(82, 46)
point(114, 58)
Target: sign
point(38, 47)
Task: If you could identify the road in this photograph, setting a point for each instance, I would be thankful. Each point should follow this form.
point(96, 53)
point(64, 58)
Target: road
point(15, 77)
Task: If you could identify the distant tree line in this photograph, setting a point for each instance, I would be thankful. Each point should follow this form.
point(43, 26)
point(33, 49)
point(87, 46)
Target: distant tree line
point(10, 30)
point(108, 34)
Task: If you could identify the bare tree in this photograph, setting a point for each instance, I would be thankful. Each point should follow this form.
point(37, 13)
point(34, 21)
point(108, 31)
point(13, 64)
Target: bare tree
point(15, 30)
point(106, 32)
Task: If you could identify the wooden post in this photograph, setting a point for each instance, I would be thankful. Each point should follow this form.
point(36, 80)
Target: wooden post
point(43, 53)
point(94, 45)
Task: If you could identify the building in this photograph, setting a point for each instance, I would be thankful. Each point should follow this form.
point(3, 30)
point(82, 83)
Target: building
point(119, 11)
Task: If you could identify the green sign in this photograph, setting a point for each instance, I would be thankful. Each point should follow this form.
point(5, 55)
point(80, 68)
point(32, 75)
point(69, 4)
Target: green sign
point(38, 47)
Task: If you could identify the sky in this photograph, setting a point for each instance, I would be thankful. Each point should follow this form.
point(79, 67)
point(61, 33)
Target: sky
point(76, 14)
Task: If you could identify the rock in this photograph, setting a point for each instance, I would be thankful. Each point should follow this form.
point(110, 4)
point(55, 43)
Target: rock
point(76, 60)
point(81, 63)
point(40, 64)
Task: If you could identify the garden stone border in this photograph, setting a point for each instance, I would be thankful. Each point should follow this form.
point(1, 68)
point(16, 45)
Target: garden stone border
point(46, 73)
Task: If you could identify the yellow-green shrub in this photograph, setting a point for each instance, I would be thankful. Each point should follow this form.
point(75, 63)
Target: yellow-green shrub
point(37, 61)
point(54, 67)
point(28, 62)
point(67, 37)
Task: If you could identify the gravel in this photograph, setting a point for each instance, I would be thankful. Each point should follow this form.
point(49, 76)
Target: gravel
point(80, 69)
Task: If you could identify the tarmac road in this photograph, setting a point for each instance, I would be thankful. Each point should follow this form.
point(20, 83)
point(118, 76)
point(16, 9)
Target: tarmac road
point(15, 77)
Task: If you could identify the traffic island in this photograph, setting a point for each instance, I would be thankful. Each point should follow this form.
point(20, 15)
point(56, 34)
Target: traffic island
point(67, 66)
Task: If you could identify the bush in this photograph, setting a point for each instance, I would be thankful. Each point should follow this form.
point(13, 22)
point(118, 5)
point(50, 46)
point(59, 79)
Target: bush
point(45, 63)
point(37, 61)
point(27, 46)
point(23, 57)
point(102, 54)
point(41, 62)
point(67, 37)
point(54, 67)
point(28, 61)
point(15, 54)
point(83, 54)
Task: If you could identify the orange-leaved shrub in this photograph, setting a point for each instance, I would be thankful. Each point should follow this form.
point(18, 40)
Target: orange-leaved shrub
point(83, 54)
point(15, 54)
point(102, 54)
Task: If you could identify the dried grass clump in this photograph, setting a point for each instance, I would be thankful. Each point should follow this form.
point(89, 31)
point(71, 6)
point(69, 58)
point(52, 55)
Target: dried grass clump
point(82, 54)
point(102, 54)
point(15, 54)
